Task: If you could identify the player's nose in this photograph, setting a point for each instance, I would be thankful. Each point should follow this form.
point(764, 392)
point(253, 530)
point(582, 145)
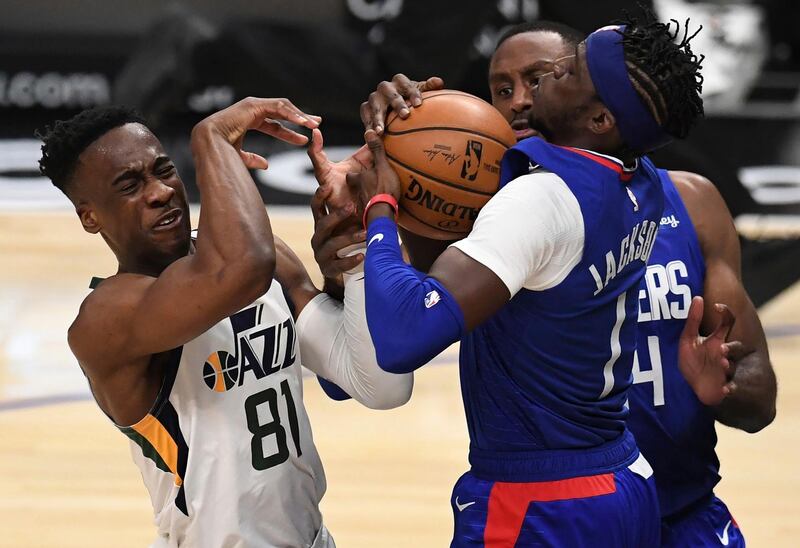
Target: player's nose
point(157, 193)
point(522, 99)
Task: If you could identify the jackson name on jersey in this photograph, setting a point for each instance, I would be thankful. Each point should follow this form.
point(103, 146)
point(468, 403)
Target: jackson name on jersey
point(636, 245)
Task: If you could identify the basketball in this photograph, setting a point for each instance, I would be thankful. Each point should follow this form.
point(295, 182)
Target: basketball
point(447, 154)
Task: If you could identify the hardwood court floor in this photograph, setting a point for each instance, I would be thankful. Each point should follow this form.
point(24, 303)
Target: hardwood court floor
point(66, 478)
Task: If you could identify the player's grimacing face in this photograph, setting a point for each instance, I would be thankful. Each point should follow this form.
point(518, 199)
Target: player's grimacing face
point(514, 71)
point(561, 98)
point(136, 196)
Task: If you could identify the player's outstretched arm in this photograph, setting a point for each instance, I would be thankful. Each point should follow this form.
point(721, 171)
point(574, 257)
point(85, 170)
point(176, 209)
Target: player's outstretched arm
point(413, 317)
point(751, 403)
point(333, 336)
point(400, 95)
point(132, 316)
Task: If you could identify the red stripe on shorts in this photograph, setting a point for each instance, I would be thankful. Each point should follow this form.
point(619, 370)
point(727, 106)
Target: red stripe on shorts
point(508, 503)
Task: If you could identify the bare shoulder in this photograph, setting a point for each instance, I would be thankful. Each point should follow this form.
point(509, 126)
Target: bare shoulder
point(700, 196)
point(710, 215)
point(99, 328)
point(694, 188)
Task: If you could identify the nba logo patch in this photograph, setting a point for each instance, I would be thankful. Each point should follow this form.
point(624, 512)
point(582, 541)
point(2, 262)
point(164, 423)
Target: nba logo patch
point(432, 298)
point(472, 160)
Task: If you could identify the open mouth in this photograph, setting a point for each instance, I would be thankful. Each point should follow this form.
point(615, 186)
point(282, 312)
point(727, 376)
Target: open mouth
point(169, 220)
point(522, 130)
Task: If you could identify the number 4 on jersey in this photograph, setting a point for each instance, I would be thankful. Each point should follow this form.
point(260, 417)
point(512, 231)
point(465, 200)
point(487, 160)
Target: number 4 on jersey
point(655, 374)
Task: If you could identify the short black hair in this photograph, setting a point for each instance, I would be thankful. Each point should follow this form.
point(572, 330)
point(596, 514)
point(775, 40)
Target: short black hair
point(664, 71)
point(571, 36)
point(64, 142)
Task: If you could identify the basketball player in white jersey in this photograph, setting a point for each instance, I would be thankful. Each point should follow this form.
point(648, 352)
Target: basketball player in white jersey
point(191, 348)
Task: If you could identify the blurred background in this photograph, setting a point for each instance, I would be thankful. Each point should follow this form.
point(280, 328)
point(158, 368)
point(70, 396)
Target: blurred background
point(178, 61)
point(64, 476)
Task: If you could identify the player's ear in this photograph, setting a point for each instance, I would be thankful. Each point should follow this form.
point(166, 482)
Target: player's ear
point(88, 217)
point(602, 121)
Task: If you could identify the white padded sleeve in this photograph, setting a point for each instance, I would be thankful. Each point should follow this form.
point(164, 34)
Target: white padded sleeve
point(335, 344)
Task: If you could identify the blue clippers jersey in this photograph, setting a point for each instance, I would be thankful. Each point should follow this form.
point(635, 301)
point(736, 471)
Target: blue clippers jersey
point(544, 381)
point(672, 428)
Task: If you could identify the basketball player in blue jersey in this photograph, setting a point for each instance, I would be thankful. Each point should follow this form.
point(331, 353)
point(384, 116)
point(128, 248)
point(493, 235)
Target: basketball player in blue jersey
point(543, 294)
point(696, 253)
point(191, 348)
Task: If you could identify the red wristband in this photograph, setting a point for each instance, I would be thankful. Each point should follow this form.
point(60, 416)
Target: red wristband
point(378, 199)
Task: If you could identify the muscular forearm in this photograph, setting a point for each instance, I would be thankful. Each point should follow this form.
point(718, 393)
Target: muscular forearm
point(751, 407)
point(234, 228)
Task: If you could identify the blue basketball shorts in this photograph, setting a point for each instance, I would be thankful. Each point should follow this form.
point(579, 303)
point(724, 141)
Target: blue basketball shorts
point(617, 509)
point(710, 525)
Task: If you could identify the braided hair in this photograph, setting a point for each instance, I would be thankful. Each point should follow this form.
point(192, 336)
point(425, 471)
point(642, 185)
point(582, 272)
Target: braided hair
point(64, 142)
point(664, 71)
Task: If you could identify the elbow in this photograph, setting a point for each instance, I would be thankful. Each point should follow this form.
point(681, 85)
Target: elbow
point(250, 276)
point(765, 410)
point(73, 340)
point(750, 418)
point(761, 419)
point(395, 393)
point(262, 267)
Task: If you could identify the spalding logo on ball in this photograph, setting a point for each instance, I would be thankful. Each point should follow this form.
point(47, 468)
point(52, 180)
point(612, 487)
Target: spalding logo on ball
point(447, 154)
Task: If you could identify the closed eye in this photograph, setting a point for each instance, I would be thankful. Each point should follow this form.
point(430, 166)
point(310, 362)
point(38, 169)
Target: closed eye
point(128, 187)
point(166, 171)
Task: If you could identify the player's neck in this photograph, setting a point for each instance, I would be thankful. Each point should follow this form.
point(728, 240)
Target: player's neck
point(150, 263)
point(150, 266)
point(144, 269)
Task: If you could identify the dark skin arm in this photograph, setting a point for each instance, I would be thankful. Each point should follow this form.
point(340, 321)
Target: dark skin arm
point(422, 252)
point(747, 383)
point(477, 290)
point(751, 404)
point(293, 277)
point(127, 324)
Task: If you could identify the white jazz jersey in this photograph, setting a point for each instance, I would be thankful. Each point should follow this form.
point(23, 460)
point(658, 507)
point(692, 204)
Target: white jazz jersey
point(226, 452)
